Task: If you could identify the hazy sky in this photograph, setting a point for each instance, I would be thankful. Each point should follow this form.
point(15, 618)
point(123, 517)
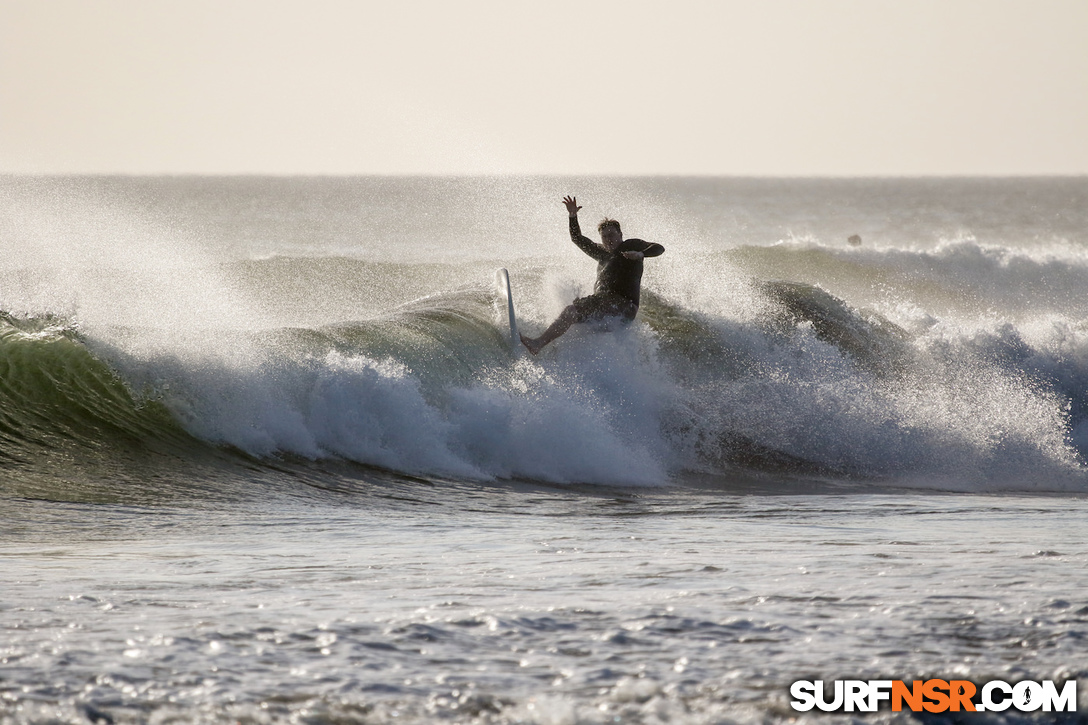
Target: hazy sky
point(779, 87)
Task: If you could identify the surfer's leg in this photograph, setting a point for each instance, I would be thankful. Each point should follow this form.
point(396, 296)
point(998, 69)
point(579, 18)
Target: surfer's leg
point(562, 323)
point(580, 310)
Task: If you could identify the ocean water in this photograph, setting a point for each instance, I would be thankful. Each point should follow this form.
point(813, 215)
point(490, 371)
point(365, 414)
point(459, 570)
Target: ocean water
point(266, 456)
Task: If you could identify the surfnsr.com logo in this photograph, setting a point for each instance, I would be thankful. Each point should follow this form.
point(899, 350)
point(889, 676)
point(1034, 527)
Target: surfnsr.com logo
point(934, 696)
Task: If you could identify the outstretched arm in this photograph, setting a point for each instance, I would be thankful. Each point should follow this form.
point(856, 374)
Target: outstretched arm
point(584, 243)
point(637, 249)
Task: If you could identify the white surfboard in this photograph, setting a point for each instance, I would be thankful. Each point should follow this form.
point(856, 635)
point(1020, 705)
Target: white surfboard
point(502, 286)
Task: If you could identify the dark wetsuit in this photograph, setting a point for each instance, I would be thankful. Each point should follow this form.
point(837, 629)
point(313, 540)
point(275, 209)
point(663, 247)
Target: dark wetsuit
point(616, 292)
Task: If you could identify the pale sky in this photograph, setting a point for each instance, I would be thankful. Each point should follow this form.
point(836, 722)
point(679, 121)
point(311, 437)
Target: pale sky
point(721, 87)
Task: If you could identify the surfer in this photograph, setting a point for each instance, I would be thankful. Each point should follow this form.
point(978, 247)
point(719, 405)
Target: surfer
point(619, 275)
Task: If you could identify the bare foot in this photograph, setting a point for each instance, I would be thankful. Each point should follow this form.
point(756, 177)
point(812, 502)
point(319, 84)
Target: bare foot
point(530, 344)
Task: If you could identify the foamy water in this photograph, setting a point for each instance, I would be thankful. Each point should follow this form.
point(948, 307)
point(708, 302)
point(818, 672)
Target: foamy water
point(388, 603)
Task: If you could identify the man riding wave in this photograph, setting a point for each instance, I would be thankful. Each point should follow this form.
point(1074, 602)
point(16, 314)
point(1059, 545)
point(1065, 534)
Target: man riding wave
point(619, 278)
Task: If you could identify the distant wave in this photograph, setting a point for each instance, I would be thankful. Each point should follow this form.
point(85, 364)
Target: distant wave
point(959, 275)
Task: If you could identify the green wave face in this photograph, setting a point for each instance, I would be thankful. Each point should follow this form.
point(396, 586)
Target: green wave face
point(71, 429)
point(88, 420)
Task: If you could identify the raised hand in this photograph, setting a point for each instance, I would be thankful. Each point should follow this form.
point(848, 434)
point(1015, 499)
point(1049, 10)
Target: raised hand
point(571, 203)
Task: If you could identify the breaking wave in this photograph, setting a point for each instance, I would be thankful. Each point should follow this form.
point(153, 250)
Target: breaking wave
point(799, 382)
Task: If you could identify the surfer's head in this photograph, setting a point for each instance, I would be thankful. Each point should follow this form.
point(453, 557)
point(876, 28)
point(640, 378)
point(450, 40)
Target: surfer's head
point(611, 234)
